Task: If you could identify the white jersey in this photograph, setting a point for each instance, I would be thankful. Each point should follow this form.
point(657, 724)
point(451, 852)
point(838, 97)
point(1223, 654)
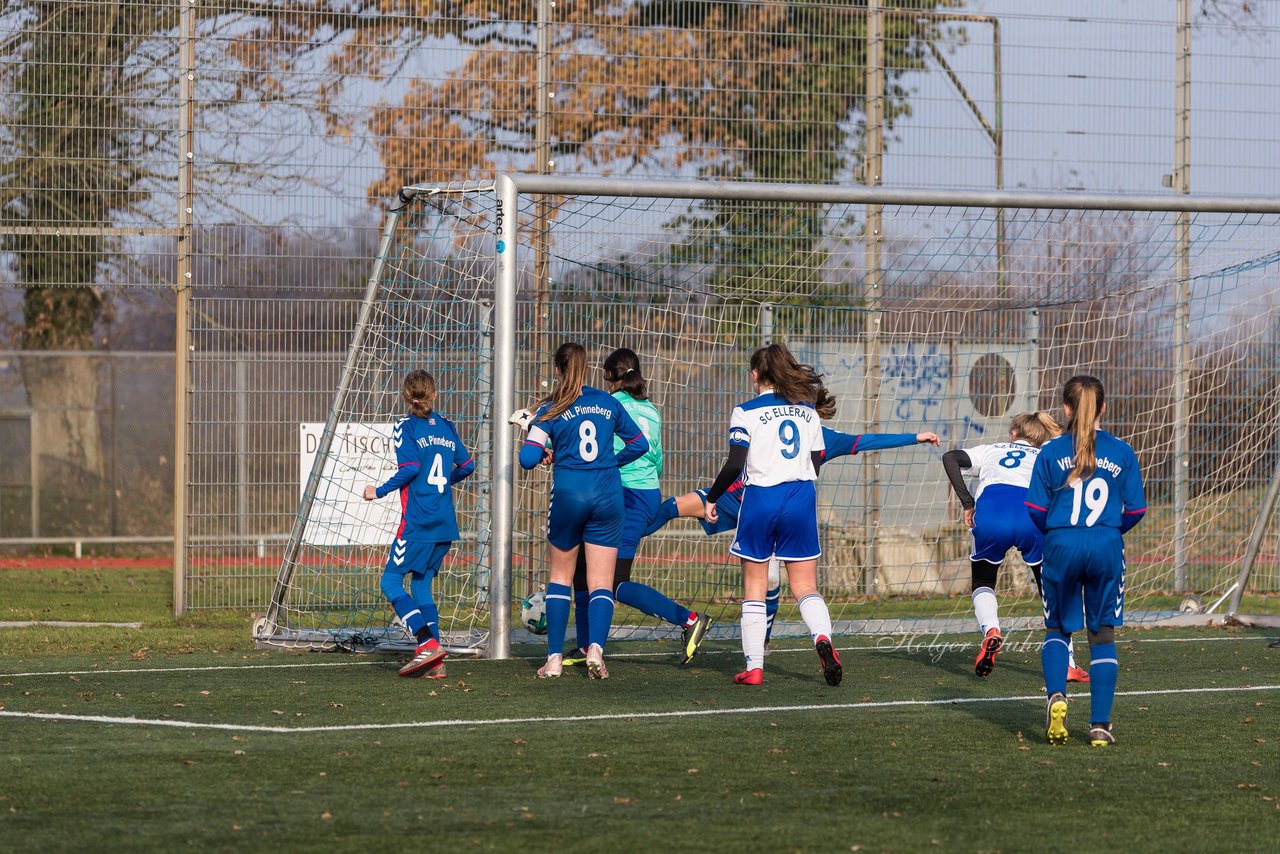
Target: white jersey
point(779, 437)
point(1007, 463)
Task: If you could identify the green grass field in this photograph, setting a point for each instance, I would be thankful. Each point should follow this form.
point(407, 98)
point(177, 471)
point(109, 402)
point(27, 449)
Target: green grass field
point(179, 734)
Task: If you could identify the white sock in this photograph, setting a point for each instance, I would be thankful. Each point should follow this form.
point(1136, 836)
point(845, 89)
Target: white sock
point(984, 608)
point(816, 616)
point(1071, 656)
point(753, 626)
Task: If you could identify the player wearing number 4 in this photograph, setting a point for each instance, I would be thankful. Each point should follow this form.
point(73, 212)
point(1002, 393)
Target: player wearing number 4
point(430, 458)
point(996, 514)
point(776, 445)
point(1085, 493)
point(575, 429)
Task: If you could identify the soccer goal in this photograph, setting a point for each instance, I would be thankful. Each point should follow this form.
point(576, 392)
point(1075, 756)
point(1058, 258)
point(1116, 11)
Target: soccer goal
point(925, 311)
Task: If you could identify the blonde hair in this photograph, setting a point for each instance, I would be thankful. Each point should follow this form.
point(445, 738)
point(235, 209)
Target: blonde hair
point(1036, 427)
point(775, 366)
point(571, 361)
point(419, 392)
point(1085, 396)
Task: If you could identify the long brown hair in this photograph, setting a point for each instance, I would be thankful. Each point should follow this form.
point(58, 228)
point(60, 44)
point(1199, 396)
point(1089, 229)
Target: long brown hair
point(419, 392)
point(570, 361)
point(1085, 396)
point(622, 370)
point(775, 366)
point(1036, 427)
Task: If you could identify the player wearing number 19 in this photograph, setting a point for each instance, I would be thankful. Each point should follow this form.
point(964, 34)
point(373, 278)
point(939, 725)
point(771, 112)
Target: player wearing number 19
point(430, 458)
point(1085, 493)
point(575, 428)
point(776, 445)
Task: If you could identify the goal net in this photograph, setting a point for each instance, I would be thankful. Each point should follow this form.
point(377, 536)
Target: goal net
point(946, 313)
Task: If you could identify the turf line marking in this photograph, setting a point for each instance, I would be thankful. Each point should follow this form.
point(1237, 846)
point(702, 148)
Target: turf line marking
point(912, 643)
point(617, 716)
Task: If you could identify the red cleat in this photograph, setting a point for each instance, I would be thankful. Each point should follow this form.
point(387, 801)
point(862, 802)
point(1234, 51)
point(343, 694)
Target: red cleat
point(750, 677)
point(1077, 674)
point(429, 656)
point(832, 671)
point(987, 652)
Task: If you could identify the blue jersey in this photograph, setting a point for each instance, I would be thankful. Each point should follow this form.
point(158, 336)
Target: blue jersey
point(430, 458)
point(850, 444)
point(581, 437)
point(1112, 497)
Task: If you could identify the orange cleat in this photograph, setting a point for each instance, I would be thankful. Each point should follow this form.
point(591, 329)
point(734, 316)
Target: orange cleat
point(1077, 674)
point(987, 652)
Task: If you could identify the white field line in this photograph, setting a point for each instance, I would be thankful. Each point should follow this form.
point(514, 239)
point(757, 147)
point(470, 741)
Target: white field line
point(618, 716)
point(923, 643)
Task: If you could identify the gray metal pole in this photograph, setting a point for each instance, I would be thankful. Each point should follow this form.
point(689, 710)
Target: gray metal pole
point(1182, 303)
point(182, 288)
point(1255, 541)
point(501, 496)
point(871, 284)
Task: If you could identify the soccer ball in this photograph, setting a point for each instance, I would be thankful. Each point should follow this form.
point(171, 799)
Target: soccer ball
point(533, 613)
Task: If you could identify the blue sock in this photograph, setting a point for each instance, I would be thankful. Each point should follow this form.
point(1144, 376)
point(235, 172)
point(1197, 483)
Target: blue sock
point(1103, 672)
point(409, 613)
point(667, 511)
point(582, 623)
point(601, 615)
point(1053, 658)
point(420, 587)
point(644, 598)
point(557, 616)
point(772, 599)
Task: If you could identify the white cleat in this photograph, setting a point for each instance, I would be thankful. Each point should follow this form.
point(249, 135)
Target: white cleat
point(553, 668)
point(595, 662)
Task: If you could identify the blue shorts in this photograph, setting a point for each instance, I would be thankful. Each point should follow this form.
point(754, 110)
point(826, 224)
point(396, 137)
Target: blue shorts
point(1001, 523)
point(1083, 563)
point(417, 556)
point(586, 507)
point(640, 509)
point(727, 510)
point(778, 520)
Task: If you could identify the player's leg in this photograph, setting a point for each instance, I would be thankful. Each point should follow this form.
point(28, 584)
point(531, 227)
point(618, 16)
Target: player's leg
point(1060, 582)
point(797, 545)
point(1031, 545)
point(581, 618)
point(641, 505)
point(416, 608)
point(983, 575)
point(1103, 613)
point(420, 584)
point(601, 537)
point(772, 597)
point(570, 509)
point(754, 577)
point(677, 507)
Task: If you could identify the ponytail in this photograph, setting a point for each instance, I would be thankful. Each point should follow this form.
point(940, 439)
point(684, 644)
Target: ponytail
point(622, 370)
point(1085, 396)
point(1035, 427)
point(419, 391)
point(571, 361)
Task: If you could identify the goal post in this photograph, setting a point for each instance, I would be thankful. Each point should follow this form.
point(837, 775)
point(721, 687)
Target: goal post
point(970, 321)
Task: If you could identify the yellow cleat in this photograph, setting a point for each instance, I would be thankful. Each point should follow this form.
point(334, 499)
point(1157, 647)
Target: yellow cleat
point(1055, 720)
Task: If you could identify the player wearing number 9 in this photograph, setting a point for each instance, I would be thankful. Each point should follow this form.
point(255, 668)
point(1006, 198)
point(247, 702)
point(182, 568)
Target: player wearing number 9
point(776, 445)
point(430, 458)
point(577, 425)
point(1085, 493)
point(997, 515)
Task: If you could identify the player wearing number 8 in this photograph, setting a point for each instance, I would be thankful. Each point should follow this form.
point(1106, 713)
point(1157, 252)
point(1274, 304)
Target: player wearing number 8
point(1085, 493)
point(430, 458)
point(997, 515)
point(574, 429)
